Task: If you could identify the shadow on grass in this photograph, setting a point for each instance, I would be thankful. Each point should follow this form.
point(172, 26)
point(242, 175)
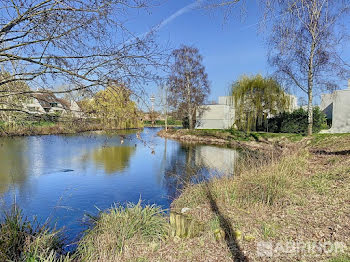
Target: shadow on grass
point(334, 153)
point(230, 237)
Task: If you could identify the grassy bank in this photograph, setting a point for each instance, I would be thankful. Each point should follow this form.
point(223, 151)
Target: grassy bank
point(304, 195)
point(171, 122)
point(301, 195)
point(53, 128)
point(226, 136)
point(259, 141)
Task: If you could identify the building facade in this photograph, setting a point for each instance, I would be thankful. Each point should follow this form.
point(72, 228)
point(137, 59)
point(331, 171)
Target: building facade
point(219, 116)
point(222, 115)
point(48, 103)
point(336, 106)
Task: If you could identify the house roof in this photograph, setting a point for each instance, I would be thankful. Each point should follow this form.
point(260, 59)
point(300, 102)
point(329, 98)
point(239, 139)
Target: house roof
point(66, 104)
point(46, 99)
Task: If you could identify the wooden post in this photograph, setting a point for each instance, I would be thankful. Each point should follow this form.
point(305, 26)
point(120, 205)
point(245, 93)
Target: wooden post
point(184, 226)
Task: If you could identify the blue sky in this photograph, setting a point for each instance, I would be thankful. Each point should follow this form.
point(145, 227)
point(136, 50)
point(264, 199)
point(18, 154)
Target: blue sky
point(229, 48)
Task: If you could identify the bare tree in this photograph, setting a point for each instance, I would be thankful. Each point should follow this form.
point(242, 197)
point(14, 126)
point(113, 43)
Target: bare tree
point(188, 82)
point(79, 43)
point(306, 42)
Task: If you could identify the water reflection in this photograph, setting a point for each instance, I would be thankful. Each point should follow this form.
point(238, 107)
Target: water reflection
point(191, 163)
point(219, 159)
point(113, 159)
point(13, 163)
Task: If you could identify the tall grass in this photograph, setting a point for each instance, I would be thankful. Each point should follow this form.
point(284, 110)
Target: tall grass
point(119, 227)
point(266, 179)
point(270, 184)
point(25, 240)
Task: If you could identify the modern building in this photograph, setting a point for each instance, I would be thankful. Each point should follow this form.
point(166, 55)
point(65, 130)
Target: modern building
point(218, 116)
point(222, 115)
point(336, 106)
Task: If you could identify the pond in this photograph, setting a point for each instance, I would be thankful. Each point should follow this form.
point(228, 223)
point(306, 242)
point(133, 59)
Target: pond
point(65, 177)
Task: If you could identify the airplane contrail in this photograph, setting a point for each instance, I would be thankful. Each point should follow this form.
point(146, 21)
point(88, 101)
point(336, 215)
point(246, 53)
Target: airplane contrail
point(168, 20)
point(178, 13)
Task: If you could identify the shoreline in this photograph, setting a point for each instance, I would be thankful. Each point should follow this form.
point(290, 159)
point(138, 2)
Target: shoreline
point(264, 142)
point(56, 129)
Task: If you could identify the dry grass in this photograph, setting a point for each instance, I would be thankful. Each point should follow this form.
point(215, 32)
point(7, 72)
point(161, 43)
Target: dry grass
point(303, 196)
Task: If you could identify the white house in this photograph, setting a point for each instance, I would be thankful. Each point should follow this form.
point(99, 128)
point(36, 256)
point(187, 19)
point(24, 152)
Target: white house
point(336, 106)
point(219, 116)
point(48, 103)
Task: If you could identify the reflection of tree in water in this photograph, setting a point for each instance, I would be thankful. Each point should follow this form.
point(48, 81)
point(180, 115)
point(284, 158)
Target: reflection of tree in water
point(182, 169)
point(13, 163)
point(114, 159)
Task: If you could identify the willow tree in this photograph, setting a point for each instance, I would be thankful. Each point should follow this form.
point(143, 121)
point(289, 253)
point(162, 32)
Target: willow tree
point(256, 98)
point(114, 107)
point(11, 107)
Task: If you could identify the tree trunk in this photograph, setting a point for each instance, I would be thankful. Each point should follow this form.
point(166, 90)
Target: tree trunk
point(190, 121)
point(310, 111)
point(189, 105)
point(166, 109)
point(310, 83)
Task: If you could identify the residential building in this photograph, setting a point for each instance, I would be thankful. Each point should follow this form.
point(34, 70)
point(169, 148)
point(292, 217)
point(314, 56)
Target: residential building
point(48, 103)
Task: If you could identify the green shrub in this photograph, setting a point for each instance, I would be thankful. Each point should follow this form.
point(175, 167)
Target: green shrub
point(297, 122)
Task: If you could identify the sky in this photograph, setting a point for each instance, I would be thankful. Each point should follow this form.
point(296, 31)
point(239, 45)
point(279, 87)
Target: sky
point(229, 48)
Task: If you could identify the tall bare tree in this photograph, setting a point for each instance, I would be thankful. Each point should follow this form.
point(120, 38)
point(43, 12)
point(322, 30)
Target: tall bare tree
point(188, 82)
point(306, 43)
point(79, 43)
point(307, 38)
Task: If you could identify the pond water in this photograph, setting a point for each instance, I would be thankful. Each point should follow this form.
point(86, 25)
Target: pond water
point(64, 177)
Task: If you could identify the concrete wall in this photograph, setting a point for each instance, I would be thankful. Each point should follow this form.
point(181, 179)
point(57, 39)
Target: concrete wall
point(220, 116)
point(226, 100)
point(336, 106)
point(326, 105)
point(341, 112)
point(215, 117)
